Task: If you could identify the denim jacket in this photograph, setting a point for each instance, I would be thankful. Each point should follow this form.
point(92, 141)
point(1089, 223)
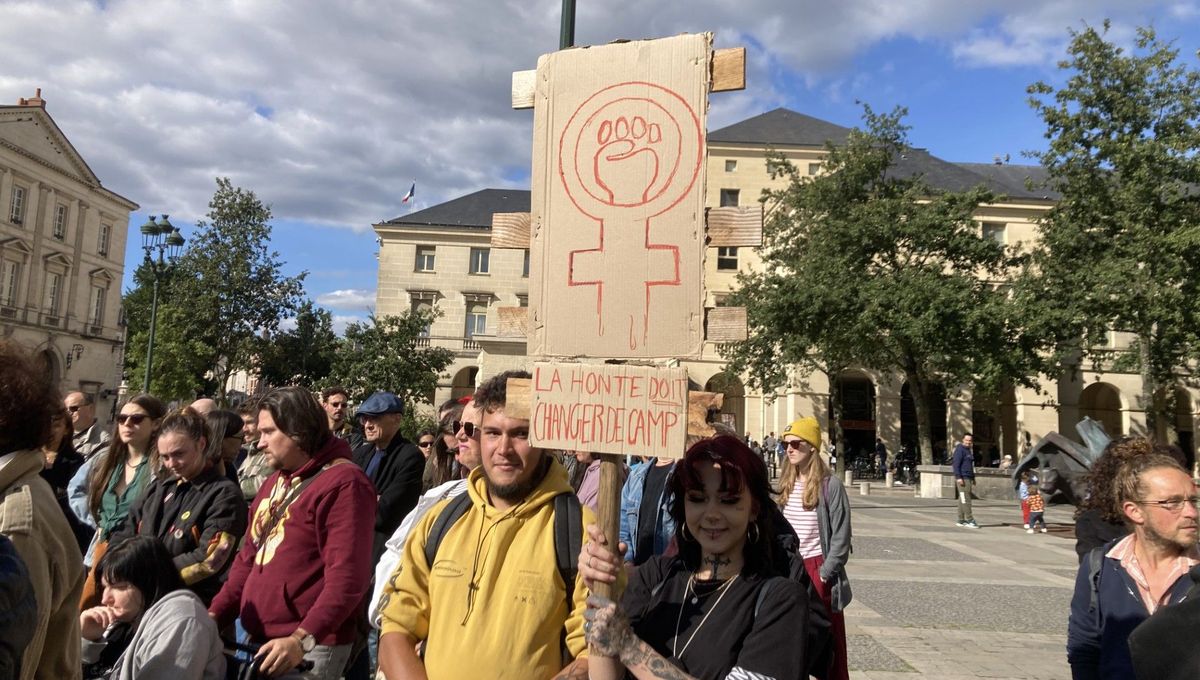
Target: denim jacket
point(631, 507)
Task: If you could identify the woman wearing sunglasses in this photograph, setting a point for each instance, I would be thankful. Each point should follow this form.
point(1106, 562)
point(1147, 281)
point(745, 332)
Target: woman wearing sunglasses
point(815, 503)
point(119, 476)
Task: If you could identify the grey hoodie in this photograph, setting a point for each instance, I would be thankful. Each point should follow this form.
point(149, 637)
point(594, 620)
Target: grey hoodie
point(175, 640)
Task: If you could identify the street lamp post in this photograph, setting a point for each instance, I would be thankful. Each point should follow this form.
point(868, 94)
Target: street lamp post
point(162, 243)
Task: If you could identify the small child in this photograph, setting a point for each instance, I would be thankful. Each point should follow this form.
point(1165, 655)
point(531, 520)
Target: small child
point(1031, 496)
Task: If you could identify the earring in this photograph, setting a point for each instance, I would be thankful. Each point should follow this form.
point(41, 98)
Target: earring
point(686, 536)
point(757, 533)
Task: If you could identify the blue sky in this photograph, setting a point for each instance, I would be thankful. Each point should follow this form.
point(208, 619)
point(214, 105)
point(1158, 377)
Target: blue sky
point(328, 111)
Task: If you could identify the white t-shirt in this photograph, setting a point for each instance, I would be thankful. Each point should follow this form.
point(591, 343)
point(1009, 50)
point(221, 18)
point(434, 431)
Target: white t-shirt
point(394, 548)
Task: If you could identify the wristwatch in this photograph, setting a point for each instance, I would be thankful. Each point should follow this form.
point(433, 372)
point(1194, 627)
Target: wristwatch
point(306, 640)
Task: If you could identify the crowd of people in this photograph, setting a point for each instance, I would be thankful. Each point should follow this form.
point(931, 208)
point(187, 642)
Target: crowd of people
point(291, 539)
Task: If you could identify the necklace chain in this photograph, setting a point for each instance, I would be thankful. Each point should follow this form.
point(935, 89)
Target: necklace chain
point(689, 588)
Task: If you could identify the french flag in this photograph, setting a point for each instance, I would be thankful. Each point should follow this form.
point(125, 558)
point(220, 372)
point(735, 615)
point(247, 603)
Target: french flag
point(411, 190)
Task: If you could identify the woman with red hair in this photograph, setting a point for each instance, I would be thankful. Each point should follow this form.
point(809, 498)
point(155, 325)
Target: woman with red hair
point(721, 606)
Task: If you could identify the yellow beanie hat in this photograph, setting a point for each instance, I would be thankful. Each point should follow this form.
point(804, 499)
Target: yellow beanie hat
point(806, 429)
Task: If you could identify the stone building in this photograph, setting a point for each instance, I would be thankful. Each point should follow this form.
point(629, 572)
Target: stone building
point(432, 258)
point(62, 255)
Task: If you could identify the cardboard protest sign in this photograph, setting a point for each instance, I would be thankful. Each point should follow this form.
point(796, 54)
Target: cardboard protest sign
point(605, 408)
point(617, 215)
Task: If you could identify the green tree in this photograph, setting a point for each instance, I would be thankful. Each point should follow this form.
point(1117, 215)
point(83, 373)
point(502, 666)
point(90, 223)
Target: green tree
point(302, 355)
point(390, 353)
point(225, 293)
point(1120, 250)
point(867, 265)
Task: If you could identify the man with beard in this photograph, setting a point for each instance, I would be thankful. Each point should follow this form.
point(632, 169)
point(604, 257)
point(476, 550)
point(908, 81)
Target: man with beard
point(496, 603)
point(305, 564)
point(1122, 583)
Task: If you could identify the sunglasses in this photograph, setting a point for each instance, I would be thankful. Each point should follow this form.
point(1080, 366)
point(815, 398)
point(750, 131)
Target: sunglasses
point(131, 418)
point(465, 425)
point(424, 445)
point(795, 443)
point(74, 409)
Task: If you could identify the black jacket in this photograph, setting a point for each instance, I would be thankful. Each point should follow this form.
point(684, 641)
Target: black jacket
point(200, 522)
point(397, 481)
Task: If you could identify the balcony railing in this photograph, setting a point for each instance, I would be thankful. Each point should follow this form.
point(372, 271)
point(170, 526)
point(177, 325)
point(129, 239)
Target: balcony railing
point(450, 342)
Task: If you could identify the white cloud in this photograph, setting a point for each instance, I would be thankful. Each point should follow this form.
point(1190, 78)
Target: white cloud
point(328, 110)
point(350, 298)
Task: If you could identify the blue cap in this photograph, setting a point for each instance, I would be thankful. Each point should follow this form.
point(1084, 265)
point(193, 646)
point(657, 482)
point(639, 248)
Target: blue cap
point(380, 403)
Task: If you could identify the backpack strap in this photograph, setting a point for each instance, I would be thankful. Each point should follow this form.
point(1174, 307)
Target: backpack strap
point(450, 514)
point(1095, 562)
point(762, 595)
point(568, 540)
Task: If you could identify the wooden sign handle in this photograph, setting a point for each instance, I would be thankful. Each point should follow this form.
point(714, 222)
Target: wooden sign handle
point(608, 514)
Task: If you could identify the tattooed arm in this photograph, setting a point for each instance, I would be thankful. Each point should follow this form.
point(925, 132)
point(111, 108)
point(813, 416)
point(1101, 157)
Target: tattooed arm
point(576, 670)
point(614, 644)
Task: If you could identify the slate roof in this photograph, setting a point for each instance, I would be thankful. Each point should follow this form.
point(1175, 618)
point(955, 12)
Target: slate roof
point(473, 210)
point(1013, 177)
point(781, 126)
point(778, 127)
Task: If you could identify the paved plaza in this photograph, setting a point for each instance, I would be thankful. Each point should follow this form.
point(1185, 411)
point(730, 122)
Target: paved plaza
point(933, 600)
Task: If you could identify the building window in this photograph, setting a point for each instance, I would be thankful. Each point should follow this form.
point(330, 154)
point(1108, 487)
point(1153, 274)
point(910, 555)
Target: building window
point(60, 221)
point(729, 197)
point(525, 265)
point(102, 241)
point(16, 212)
point(10, 278)
point(730, 166)
point(994, 231)
point(425, 258)
point(53, 292)
point(99, 298)
point(522, 300)
point(422, 301)
point(727, 258)
point(479, 260)
point(476, 319)
point(814, 169)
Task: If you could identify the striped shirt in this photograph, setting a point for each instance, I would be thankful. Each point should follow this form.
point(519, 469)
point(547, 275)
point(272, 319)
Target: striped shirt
point(804, 522)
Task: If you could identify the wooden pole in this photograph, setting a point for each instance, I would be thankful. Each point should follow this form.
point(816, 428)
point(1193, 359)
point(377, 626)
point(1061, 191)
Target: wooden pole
point(608, 513)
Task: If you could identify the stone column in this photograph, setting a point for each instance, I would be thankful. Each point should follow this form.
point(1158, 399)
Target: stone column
point(5, 193)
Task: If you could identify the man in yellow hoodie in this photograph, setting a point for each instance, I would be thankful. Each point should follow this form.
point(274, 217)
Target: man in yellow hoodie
point(492, 604)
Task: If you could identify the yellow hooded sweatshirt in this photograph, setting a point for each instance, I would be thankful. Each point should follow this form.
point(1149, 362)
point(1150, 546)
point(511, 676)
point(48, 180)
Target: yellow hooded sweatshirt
point(510, 624)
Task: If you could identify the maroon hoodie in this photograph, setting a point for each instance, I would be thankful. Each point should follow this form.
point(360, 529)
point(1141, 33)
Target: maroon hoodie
point(310, 566)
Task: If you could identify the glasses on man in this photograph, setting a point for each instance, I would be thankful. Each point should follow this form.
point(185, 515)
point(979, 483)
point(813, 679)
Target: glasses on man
point(1174, 505)
point(465, 425)
point(131, 418)
point(74, 409)
point(337, 405)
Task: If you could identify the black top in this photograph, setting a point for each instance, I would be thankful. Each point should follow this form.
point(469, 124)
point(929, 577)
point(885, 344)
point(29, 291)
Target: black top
point(1093, 531)
point(769, 642)
point(199, 521)
point(397, 482)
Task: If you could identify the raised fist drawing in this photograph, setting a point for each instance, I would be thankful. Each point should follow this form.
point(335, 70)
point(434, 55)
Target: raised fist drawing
point(626, 164)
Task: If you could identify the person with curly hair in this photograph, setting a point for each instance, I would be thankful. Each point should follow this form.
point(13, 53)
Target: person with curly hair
point(1124, 582)
point(1098, 519)
point(31, 518)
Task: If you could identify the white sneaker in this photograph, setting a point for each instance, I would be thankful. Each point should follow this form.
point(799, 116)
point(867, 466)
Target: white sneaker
point(1025, 526)
point(1043, 530)
point(1029, 531)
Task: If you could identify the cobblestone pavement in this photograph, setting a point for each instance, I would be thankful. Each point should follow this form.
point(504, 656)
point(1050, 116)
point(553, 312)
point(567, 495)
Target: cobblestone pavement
point(933, 600)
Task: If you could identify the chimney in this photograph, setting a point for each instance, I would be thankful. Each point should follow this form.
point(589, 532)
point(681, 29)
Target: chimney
point(35, 100)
